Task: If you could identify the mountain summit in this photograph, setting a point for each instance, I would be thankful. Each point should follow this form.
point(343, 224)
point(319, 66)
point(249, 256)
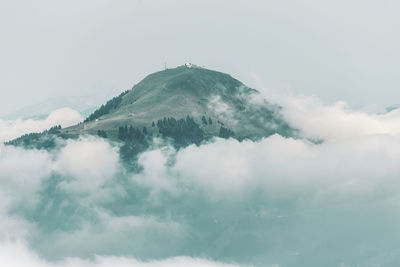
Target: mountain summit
point(219, 104)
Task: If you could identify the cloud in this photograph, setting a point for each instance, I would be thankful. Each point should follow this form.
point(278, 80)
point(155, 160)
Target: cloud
point(89, 162)
point(275, 201)
point(21, 172)
point(155, 174)
point(357, 168)
point(293, 196)
point(337, 120)
point(222, 109)
point(13, 129)
point(17, 254)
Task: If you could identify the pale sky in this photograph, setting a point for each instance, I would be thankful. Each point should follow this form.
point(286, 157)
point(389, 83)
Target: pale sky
point(338, 50)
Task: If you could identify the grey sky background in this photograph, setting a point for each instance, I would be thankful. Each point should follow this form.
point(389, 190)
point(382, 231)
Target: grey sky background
point(338, 50)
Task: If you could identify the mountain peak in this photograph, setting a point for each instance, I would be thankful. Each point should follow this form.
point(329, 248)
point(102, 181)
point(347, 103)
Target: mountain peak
point(188, 91)
point(184, 80)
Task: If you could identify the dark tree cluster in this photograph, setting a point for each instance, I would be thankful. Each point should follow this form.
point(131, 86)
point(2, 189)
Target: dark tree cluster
point(205, 121)
point(105, 109)
point(43, 140)
point(184, 131)
point(226, 133)
point(102, 133)
point(53, 130)
point(131, 133)
point(135, 142)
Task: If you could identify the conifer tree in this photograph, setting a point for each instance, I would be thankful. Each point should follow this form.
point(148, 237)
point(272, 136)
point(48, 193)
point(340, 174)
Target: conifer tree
point(204, 120)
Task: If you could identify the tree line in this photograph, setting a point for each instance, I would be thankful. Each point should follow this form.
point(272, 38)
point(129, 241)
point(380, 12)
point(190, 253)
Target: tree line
point(183, 131)
point(42, 140)
point(106, 108)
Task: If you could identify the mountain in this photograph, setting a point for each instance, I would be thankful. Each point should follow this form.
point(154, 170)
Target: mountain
point(185, 105)
point(216, 102)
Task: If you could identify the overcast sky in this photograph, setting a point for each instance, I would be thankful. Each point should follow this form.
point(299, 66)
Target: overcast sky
point(338, 50)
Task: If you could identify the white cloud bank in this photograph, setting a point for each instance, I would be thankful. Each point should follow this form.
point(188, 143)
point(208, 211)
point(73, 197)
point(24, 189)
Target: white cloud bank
point(337, 120)
point(17, 254)
point(351, 169)
point(13, 129)
point(278, 200)
point(90, 163)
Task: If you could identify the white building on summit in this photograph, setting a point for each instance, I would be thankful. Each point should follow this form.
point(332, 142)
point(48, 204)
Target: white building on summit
point(190, 65)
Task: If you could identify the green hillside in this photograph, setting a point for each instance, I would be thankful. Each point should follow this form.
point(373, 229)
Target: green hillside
point(214, 100)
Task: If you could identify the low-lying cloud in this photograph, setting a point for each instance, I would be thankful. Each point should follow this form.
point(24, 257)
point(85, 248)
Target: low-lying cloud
point(13, 129)
point(287, 167)
point(337, 120)
point(275, 202)
point(18, 254)
point(89, 162)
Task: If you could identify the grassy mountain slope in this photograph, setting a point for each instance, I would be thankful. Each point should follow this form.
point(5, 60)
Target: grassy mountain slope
point(213, 99)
